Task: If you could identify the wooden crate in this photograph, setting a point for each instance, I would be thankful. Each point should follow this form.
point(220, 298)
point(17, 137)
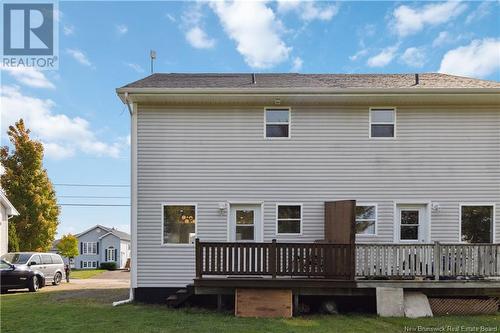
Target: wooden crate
point(269, 303)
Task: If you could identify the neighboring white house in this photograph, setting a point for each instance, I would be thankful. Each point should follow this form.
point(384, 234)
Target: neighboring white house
point(7, 210)
point(100, 244)
point(242, 157)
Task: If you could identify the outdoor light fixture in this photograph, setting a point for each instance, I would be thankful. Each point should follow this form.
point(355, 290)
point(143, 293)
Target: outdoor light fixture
point(222, 207)
point(435, 207)
point(277, 101)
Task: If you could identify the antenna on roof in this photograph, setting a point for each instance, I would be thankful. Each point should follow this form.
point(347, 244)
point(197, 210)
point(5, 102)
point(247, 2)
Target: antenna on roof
point(416, 79)
point(152, 55)
point(254, 80)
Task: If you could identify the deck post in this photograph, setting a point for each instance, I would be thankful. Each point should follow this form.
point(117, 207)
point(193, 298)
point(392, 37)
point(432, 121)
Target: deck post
point(198, 258)
point(437, 260)
point(272, 259)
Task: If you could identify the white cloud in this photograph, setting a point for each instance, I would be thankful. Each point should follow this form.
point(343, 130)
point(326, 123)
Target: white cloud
point(193, 28)
point(29, 76)
point(359, 54)
point(308, 10)
point(64, 136)
point(170, 17)
point(198, 38)
point(57, 151)
point(79, 56)
point(68, 30)
point(483, 10)
point(444, 38)
point(255, 29)
point(136, 67)
point(407, 21)
point(478, 59)
point(414, 57)
point(383, 58)
point(297, 64)
point(121, 29)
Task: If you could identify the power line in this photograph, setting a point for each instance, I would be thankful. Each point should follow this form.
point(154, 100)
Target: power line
point(92, 185)
point(90, 197)
point(93, 205)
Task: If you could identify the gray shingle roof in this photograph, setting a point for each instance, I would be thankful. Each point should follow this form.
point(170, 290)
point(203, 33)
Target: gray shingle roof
point(293, 80)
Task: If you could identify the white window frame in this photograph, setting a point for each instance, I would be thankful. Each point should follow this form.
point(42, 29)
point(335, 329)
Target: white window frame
point(110, 250)
point(282, 108)
point(89, 264)
point(468, 204)
point(301, 218)
point(363, 204)
point(379, 108)
point(87, 246)
point(173, 203)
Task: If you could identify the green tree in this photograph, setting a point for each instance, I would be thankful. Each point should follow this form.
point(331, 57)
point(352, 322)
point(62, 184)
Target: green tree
point(13, 240)
point(30, 190)
point(68, 246)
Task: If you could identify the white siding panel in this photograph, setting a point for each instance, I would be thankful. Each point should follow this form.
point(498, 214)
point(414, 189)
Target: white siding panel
point(214, 155)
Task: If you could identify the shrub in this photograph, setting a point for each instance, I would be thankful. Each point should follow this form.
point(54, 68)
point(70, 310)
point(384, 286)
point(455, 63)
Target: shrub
point(108, 265)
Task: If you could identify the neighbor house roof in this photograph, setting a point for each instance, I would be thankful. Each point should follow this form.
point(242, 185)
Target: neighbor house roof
point(246, 81)
point(118, 233)
point(11, 210)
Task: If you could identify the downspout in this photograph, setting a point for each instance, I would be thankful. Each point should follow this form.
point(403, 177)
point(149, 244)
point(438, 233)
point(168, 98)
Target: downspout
point(126, 301)
point(127, 103)
point(131, 292)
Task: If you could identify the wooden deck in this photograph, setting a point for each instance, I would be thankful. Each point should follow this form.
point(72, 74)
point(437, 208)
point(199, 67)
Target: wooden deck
point(343, 269)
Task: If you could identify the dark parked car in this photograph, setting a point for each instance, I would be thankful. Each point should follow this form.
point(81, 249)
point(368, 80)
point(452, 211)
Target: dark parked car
point(30, 270)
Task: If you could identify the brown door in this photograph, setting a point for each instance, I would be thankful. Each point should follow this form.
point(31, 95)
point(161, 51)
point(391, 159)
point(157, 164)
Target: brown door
point(340, 219)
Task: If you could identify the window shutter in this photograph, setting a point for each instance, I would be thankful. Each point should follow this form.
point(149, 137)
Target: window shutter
point(81, 264)
point(97, 244)
point(97, 263)
point(116, 254)
point(105, 255)
point(81, 248)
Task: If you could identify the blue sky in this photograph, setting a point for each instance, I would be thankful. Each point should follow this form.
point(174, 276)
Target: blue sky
point(104, 45)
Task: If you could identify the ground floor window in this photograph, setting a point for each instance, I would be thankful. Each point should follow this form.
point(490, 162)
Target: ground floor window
point(366, 219)
point(179, 224)
point(477, 223)
point(89, 264)
point(289, 218)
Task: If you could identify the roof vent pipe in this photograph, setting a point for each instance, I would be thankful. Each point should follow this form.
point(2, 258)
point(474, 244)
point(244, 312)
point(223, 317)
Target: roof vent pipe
point(416, 79)
point(254, 81)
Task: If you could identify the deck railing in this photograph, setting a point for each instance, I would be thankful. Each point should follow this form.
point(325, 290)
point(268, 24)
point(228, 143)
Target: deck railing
point(427, 260)
point(275, 259)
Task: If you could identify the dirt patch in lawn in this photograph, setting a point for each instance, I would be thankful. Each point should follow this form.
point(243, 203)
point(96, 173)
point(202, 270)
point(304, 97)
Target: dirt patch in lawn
point(100, 296)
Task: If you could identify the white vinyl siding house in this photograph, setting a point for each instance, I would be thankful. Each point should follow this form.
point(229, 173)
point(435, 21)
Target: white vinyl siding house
point(443, 154)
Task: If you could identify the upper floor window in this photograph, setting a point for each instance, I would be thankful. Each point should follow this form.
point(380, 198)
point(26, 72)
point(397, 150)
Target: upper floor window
point(289, 219)
point(179, 224)
point(366, 219)
point(382, 122)
point(277, 122)
point(89, 248)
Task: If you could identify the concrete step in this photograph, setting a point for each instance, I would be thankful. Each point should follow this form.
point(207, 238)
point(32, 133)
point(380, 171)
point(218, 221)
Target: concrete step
point(416, 305)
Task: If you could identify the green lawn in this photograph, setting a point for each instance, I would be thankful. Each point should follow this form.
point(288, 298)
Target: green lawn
point(91, 311)
point(85, 273)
